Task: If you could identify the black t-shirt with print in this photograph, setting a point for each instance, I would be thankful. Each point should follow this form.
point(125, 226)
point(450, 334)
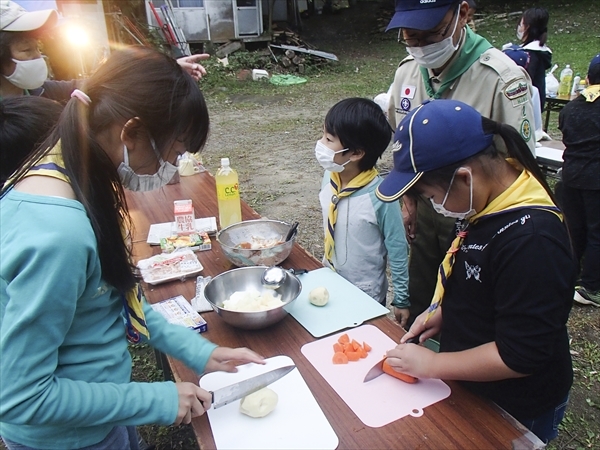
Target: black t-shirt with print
point(513, 283)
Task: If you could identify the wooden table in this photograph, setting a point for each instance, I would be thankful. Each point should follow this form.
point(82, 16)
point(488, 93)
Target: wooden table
point(461, 421)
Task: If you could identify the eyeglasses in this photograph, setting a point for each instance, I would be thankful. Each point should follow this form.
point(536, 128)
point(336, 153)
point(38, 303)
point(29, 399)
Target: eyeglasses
point(431, 38)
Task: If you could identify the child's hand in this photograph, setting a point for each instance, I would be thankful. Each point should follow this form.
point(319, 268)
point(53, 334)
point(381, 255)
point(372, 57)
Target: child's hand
point(193, 402)
point(190, 65)
point(409, 217)
point(227, 359)
point(402, 315)
point(411, 359)
point(427, 330)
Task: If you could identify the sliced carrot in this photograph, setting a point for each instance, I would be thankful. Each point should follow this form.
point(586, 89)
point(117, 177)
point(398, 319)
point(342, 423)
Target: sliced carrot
point(401, 376)
point(367, 347)
point(362, 353)
point(340, 358)
point(348, 348)
point(353, 356)
point(344, 338)
point(355, 344)
point(337, 348)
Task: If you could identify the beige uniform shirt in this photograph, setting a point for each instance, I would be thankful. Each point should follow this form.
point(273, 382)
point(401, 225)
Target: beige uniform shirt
point(494, 85)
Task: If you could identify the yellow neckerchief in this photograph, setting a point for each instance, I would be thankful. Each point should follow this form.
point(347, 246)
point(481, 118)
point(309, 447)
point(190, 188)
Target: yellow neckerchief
point(52, 165)
point(358, 182)
point(525, 192)
point(591, 93)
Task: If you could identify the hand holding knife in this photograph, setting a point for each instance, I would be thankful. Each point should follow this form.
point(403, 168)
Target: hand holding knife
point(383, 367)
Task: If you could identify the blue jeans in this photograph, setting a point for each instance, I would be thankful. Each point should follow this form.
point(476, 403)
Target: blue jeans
point(545, 426)
point(119, 438)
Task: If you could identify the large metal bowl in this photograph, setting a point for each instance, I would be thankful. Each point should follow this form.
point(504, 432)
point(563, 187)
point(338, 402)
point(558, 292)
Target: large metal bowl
point(256, 231)
point(221, 287)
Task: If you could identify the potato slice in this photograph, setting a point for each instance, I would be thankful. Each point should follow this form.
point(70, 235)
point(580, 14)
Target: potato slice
point(259, 403)
point(319, 296)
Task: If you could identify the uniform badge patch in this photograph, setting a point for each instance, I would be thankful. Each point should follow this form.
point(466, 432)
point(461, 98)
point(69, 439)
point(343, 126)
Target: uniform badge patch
point(405, 104)
point(515, 90)
point(526, 130)
point(408, 91)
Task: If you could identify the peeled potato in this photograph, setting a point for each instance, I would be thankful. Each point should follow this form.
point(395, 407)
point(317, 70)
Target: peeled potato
point(259, 403)
point(319, 296)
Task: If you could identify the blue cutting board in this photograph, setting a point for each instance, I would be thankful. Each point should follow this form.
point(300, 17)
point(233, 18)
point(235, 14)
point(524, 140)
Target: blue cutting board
point(348, 306)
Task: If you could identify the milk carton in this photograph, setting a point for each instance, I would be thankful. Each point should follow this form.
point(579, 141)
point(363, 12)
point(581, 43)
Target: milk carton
point(184, 217)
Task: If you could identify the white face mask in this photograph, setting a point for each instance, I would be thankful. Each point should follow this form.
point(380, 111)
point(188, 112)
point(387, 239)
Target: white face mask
point(325, 157)
point(434, 56)
point(440, 209)
point(520, 32)
point(136, 182)
point(29, 74)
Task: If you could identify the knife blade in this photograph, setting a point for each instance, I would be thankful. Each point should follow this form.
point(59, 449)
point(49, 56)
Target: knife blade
point(377, 369)
point(233, 392)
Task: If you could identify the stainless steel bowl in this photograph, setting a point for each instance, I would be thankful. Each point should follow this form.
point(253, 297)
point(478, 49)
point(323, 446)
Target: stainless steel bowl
point(221, 287)
point(256, 231)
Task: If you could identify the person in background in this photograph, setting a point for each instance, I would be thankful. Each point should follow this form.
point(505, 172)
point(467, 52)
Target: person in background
point(471, 15)
point(362, 234)
point(532, 32)
point(505, 287)
point(25, 121)
point(579, 122)
point(23, 69)
point(447, 60)
point(68, 292)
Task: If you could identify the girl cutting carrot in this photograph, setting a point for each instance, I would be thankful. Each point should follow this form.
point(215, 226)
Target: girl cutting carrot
point(68, 293)
point(505, 288)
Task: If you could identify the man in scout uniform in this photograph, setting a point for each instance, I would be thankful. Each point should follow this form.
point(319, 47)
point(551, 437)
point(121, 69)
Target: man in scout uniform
point(448, 60)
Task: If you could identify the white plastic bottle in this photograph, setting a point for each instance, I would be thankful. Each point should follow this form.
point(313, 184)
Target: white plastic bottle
point(576, 82)
point(566, 77)
point(228, 195)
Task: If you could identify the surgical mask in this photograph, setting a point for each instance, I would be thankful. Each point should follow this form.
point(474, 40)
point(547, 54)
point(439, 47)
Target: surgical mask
point(29, 74)
point(434, 56)
point(325, 157)
point(137, 182)
point(440, 209)
point(520, 33)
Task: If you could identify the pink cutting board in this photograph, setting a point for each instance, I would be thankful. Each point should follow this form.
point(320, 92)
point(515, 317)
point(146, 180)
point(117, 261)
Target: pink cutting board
point(379, 401)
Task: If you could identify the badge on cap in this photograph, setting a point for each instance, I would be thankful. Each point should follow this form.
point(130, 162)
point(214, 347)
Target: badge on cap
point(408, 91)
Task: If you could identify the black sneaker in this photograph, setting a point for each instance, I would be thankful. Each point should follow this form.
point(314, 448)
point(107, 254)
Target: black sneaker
point(585, 297)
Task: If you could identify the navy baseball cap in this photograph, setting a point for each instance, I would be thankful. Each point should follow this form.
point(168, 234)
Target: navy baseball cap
point(594, 62)
point(419, 14)
point(518, 55)
point(433, 135)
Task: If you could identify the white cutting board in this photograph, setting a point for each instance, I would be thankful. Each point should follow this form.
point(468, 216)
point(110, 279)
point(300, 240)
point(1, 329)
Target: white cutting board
point(296, 423)
point(348, 306)
point(379, 401)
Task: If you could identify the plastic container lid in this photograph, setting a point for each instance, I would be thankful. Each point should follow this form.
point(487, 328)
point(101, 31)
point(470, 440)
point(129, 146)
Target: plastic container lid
point(225, 161)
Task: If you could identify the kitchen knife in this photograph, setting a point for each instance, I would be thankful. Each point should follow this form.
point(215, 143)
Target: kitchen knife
point(233, 392)
point(378, 368)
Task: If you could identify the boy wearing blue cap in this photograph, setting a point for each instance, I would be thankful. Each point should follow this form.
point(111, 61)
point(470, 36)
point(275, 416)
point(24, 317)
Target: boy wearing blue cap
point(448, 60)
point(579, 122)
point(504, 289)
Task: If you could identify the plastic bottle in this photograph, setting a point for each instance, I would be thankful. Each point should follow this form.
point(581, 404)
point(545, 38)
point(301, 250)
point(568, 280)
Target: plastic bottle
point(228, 195)
point(576, 81)
point(566, 77)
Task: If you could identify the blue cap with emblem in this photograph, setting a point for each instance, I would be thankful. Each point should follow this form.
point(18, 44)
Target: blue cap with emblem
point(435, 134)
point(419, 14)
point(518, 55)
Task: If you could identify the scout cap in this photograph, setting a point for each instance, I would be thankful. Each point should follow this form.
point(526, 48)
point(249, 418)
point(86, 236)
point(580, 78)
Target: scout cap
point(13, 17)
point(594, 62)
point(419, 14)
point(518, 55)
point(434, 135)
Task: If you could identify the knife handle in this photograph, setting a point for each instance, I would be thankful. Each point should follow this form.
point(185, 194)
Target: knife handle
point(415, 339)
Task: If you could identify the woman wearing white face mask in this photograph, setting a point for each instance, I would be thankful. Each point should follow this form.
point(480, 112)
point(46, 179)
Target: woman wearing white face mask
point(362, 235)
point(66, 267)
point(505, 287)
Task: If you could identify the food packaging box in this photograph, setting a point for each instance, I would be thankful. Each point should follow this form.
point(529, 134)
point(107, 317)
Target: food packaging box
point(184, 217)
point(194, 241)
point(158, 231)
point(165, 267)
point(177, 310)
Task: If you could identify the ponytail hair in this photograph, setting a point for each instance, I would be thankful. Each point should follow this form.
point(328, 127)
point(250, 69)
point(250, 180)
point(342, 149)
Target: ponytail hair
point(136, 82)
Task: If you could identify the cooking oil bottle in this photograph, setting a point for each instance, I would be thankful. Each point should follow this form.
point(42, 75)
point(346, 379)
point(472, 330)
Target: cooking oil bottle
point(228, 195)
